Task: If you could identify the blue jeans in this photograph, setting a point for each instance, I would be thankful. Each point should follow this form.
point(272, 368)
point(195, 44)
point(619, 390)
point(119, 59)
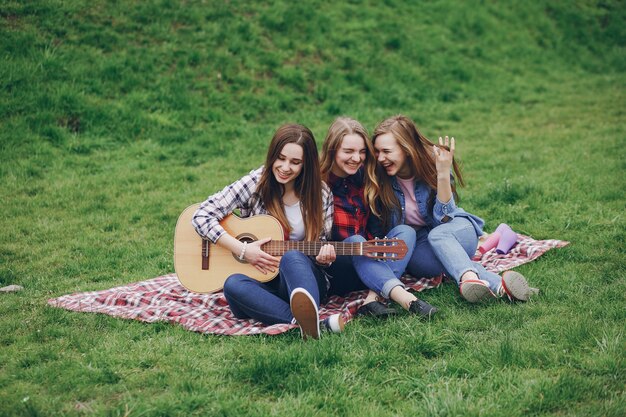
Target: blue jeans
point(269, 302)
point(380, 276)
point(449, 248)
point(344, 278)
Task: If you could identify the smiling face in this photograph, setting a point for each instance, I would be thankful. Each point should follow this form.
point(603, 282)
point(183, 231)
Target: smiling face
point(350, 156)
point(288, 165)
point(391, 156)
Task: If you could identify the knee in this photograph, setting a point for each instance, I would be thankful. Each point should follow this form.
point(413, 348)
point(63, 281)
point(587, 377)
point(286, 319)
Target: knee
point(291, 257)
point(436, 235)
point(355, 238)
point(404, 232)
point(233, 284)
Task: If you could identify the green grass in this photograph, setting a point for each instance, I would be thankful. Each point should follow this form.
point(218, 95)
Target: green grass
point(114, 116)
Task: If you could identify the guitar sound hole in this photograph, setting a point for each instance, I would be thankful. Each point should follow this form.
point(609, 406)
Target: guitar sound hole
point(244, 237)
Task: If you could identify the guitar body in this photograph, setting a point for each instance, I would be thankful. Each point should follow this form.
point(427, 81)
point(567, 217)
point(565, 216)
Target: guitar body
point(203, 267)
point(188, 250)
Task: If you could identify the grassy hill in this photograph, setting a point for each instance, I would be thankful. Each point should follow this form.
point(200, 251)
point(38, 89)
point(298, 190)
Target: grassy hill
point(115, 115)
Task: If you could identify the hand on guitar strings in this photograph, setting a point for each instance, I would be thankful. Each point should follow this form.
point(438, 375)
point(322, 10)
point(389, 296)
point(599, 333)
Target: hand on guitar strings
point(326, 256)
point(262, 261)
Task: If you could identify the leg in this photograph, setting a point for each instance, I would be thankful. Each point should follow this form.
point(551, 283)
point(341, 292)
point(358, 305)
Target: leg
point(305, 285)
point(249, 298)
point(383, 276)
point(454, 243)
point(424, 262)
point(296, 270)
point(344, 278)
point(407, 234)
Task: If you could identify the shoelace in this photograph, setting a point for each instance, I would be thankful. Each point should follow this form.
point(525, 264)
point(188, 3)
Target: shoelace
point(501, 292)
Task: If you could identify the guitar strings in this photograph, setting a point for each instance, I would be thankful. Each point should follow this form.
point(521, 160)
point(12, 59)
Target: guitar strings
point(279, 247)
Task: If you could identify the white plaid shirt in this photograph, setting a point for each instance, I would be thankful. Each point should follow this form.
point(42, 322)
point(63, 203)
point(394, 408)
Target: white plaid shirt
point(238, 195)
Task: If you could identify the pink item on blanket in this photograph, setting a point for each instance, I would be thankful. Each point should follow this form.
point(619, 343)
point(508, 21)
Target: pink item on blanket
point(490, 243)
point(164, 299)
point(508, 238)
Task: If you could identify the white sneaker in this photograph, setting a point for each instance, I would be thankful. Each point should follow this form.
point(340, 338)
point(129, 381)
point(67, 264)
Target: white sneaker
point(305, 312)
point(333, 324)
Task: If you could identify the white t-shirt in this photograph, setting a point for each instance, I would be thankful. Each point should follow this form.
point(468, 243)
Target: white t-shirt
point(294, 216)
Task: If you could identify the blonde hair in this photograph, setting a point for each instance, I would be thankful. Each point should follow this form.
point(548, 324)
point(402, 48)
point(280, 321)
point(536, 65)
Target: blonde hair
point(418, 149)
point(340, 128)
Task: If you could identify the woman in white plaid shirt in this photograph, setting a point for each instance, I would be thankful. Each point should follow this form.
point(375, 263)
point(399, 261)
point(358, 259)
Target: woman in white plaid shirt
point(288, 187)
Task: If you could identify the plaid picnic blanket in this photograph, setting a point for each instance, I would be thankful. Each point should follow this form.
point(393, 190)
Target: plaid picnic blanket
point(165, 299)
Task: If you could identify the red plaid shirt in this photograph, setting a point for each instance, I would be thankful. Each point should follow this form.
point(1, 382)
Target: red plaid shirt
point(351, 210)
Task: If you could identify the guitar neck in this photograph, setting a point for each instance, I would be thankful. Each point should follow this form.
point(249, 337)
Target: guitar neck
point(279, 247)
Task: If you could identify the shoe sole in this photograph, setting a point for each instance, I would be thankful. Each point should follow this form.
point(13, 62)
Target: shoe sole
point(306, 314)
point(341, 322)
point(476, 292)
point(516, 286)
point(432, 313)
point(429, 316)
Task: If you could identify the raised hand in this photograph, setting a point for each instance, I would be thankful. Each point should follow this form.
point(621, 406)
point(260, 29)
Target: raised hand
point(262, 261)
point(443, 156)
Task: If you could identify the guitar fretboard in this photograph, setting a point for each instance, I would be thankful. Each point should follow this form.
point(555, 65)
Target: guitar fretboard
point(279, 247)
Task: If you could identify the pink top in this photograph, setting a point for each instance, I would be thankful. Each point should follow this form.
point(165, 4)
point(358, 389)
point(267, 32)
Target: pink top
point(411, 212)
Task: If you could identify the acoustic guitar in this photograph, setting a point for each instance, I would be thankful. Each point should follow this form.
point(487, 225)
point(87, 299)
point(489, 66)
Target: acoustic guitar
point(202, 266)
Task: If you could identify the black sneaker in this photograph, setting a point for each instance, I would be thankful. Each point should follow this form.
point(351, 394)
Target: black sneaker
point(375, 309)
point(422, 308)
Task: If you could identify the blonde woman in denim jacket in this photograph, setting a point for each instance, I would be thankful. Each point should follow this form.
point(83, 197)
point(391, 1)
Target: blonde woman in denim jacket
point(417, 180)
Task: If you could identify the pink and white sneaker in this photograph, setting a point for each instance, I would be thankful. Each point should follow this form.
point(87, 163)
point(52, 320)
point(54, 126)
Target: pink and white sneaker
point(476, 290)
point(515, 287)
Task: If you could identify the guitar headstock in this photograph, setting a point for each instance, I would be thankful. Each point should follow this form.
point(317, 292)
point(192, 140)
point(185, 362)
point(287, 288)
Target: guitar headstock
point(388, 249)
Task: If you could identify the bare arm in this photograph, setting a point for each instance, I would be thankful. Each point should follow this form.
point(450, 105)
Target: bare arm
point(253, 254)
point(443, 162)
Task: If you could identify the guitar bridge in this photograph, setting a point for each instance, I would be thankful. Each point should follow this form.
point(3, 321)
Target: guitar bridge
point(205, 254)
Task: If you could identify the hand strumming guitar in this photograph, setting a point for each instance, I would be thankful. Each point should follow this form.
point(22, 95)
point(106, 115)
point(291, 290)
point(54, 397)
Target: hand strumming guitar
point(261, 260)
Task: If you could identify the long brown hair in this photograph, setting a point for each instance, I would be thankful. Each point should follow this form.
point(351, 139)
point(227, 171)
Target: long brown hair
point(418, 149)
point(340, 128)
point(307, 186)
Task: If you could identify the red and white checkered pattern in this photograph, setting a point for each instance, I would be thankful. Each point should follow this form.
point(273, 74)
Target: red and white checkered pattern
point(164, 299)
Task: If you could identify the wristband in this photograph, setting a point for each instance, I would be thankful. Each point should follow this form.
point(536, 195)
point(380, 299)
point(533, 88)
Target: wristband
point(243, 251)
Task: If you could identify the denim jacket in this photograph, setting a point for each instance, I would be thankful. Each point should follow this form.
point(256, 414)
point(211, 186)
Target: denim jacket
point(441, 213)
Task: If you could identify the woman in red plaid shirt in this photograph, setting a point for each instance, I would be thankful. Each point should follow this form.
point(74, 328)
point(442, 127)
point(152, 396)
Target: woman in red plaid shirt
point(348, 166)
